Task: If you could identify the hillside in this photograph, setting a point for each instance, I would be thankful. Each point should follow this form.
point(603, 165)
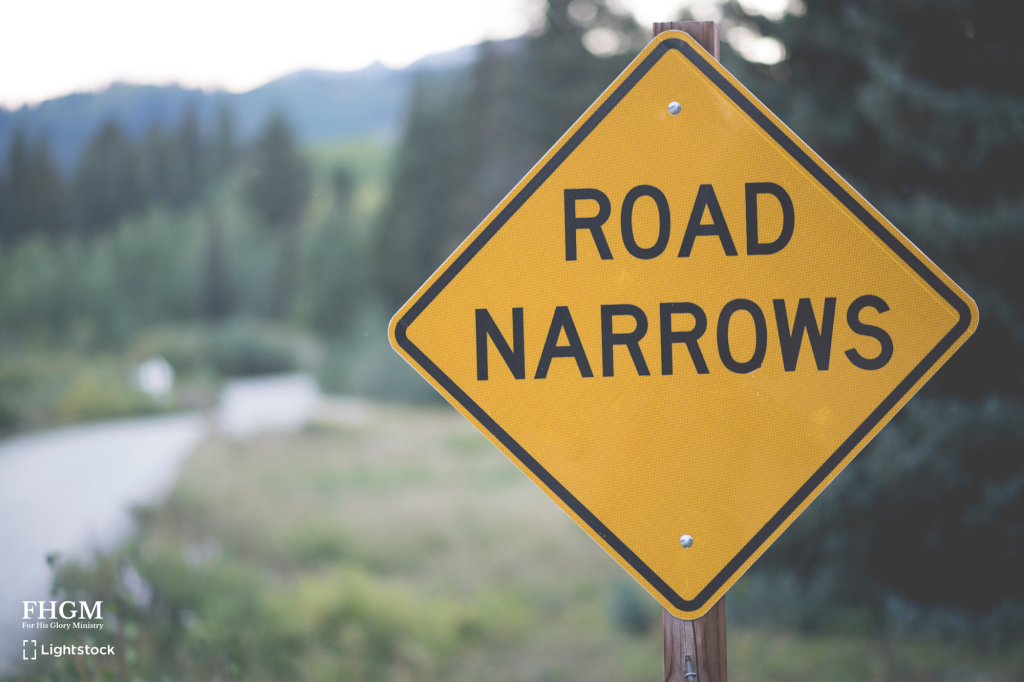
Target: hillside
point(322, 106)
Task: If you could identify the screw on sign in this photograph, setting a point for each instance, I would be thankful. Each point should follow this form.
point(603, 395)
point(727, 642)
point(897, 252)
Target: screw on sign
point(682, 325)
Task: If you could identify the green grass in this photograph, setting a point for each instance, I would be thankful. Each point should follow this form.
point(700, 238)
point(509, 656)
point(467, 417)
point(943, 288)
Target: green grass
point(398, 544)
point(770, 656)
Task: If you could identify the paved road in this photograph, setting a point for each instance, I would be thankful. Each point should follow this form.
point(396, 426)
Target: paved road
point(71, 491)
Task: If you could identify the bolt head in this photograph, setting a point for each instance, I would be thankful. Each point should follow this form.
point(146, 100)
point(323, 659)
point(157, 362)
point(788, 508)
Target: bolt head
point(686, 542)
point(674, 108)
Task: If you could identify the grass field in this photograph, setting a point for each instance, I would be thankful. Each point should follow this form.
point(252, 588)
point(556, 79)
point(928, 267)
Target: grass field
point(388, 543)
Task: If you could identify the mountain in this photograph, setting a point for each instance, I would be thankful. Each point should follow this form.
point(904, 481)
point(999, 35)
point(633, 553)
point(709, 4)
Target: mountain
point(322, 106)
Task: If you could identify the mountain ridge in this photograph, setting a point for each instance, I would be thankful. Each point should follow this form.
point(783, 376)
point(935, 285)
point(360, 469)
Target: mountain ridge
point(321, 105)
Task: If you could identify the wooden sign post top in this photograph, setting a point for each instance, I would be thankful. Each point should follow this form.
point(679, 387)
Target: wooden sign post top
point(704, 32)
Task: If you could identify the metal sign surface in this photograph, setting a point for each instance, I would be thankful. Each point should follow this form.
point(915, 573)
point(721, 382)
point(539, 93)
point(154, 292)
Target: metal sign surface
point(682, 322)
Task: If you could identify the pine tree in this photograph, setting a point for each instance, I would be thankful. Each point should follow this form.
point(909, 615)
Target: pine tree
point(470, 138)
point(277, 189)
point(189, 180)
point(334, 273)
point(157, 167)
point(4, 225)
point(34, 197)
point(13, 222)
point(216, 294)
point(565, 76)
point(225, 149)
point(44, 201)
point(108, 184)
point(921, 107)
point(420, 225)
point(278, 184)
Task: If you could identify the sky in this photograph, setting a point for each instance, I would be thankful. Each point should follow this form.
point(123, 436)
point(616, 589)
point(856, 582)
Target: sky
point(50, 48)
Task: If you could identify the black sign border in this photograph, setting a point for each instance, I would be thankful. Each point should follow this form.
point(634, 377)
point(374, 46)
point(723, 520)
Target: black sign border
point(822, 176)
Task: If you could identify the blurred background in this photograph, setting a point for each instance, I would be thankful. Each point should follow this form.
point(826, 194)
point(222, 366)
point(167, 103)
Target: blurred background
point(209, 213)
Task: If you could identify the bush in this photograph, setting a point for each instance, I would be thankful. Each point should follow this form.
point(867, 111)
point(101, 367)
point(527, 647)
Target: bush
point(233, 348)
point(221, 618)
point(104, 291)
point(41, 388)
point(632, 609)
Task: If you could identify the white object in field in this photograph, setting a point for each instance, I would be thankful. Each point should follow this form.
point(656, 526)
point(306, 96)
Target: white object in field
point(155, 377)
point(282, 402)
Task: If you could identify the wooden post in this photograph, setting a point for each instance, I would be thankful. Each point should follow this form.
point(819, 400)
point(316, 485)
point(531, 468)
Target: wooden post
point(704, 32)
point(694, 650)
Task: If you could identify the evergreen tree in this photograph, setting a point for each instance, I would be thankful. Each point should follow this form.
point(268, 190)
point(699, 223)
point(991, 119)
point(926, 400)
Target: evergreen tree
point(44, 201)
point(34, 198)
point(4, 225)
point(13, 220)
point(334, 273)
point(157, 166)
point(176, 170)
point(225, 149)
point(278, 183)
point(471, 137)
point(216, 294)
point(108, 184)
point(921, 107)
point(189, 175)
point(421, 226)
point(496, 135)
point(565, 76)
point(277, 188)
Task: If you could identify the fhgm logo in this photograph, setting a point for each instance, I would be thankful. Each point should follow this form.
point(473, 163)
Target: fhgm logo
point(48, 612)
point(85, 613)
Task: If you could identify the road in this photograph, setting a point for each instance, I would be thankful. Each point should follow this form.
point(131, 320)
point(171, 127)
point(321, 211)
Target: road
point(71, 490)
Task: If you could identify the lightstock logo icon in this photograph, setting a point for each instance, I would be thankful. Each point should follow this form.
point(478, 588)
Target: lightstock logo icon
point(25, 649)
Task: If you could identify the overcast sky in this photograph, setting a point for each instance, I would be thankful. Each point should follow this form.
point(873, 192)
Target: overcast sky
point(52, 47)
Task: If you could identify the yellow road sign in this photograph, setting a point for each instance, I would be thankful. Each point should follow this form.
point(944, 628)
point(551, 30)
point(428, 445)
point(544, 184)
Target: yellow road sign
point(682, 322)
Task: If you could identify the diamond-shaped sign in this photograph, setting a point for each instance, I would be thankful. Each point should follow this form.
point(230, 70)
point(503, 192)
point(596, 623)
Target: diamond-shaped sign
point(682, 322)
